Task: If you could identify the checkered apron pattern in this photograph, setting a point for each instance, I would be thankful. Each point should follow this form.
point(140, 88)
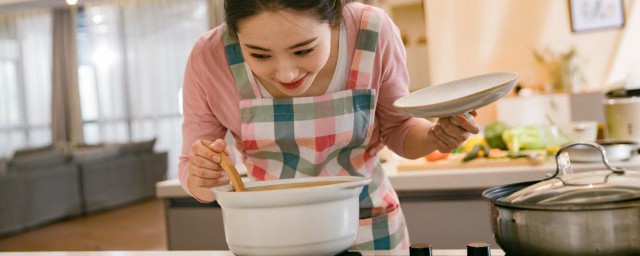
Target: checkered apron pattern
point(323, 136)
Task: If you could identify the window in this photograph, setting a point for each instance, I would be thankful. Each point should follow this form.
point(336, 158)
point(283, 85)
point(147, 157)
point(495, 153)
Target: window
point(25, 81)
point(132, 57)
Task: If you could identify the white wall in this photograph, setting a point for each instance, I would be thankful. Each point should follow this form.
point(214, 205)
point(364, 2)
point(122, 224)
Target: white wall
point(473, 37)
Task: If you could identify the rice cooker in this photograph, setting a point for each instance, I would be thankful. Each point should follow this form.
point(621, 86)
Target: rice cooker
point(622, 114)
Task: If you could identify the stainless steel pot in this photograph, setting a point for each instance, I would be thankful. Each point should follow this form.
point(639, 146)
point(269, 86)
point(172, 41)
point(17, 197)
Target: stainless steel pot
point(561, 216)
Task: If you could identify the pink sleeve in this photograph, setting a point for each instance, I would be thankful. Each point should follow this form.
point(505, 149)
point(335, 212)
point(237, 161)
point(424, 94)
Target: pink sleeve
point(200, 120)
point(394, 83)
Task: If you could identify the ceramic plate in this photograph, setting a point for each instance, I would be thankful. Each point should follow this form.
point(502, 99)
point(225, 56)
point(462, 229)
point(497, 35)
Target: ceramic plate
point(457, 97)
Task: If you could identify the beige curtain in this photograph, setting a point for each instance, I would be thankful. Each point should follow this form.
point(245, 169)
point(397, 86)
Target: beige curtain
point(66, 122)
point(215, 9)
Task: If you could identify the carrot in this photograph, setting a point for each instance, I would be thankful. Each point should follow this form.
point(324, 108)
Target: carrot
point(436, 155)
point(497, 153)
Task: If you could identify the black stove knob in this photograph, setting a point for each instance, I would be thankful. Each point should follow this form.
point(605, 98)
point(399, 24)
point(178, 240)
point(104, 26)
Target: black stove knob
point(478, 249)
point(420, 250)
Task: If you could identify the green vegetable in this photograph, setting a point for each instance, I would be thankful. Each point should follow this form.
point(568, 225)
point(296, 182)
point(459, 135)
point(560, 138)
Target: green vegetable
point(493, 134)
point(524, 137)
point(473, 154)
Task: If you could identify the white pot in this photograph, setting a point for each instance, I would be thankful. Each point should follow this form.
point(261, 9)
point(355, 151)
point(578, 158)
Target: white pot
point(320, 220)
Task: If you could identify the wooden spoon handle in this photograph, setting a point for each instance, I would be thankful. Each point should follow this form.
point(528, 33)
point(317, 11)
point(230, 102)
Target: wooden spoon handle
point(229, 169)
point(232, 172)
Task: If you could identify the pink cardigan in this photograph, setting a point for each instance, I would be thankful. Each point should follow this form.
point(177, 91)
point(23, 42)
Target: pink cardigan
point(210, 98)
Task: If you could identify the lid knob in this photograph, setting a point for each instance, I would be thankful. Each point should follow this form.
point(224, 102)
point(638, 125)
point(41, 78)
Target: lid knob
point(420, 250)
point(478, 249)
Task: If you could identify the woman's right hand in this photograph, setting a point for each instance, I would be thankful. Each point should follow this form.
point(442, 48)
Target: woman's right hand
point(204, 168)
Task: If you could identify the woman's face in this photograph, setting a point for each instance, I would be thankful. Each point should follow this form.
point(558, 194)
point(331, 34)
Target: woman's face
point(285, 49)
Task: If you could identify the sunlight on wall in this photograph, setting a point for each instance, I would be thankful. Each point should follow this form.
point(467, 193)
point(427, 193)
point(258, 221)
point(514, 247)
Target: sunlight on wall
point(473, 37)
point(625, 69)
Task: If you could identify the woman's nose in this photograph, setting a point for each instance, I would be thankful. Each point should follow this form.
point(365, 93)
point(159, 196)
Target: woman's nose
point(286, 73)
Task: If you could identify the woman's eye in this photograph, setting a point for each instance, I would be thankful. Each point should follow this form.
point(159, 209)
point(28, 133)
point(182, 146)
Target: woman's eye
point(260, 56)
point(304, 52)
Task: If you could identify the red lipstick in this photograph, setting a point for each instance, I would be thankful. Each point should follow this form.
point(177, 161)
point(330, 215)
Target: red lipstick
point(294, 85)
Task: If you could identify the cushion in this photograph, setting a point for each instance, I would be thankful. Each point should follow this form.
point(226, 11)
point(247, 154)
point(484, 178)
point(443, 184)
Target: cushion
point(28, 151)
point(37, 160)
point(137, 147)
point(88, 154)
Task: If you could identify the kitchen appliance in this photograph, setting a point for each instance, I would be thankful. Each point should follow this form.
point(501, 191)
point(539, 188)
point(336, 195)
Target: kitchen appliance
point(317, 220)
point(622, 114)
point(587, 213)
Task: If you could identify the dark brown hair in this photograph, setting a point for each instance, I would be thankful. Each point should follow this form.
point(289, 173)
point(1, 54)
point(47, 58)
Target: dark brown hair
point(329, 11)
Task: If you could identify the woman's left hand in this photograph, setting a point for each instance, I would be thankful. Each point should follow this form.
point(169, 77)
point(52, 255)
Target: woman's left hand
point(447, 136)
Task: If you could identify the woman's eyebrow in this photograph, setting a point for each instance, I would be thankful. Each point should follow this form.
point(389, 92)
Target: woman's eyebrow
point(303, 43)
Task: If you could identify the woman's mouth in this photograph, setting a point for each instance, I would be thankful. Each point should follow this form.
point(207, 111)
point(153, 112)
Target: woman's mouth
point(294, 85)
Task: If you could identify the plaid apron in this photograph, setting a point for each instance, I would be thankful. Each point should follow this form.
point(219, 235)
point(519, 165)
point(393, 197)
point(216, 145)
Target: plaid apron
point(323, 136)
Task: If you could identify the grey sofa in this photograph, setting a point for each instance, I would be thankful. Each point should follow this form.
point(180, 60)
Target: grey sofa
point(120, 176)
point(40, 186)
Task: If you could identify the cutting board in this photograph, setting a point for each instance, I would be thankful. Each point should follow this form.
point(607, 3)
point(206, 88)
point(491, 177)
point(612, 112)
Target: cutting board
point(423, 165)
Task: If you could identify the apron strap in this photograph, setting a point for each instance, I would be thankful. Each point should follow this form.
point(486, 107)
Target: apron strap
point(364, 56)
point(245, 82)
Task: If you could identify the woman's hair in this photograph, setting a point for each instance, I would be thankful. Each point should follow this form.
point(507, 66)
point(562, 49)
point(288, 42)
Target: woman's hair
point(329, 11)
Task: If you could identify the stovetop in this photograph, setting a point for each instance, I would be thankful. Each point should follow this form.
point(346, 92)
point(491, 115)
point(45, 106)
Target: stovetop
point(461, 252)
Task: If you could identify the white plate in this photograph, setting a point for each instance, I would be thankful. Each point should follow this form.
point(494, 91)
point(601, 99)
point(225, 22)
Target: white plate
point(457, 97)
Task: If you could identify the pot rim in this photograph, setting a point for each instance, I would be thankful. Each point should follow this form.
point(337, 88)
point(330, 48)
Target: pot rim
point(353, 185)
point(349, 182)
point(494, 194)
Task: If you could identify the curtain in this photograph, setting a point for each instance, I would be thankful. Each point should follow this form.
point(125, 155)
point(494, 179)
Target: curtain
point(25, 80)
point(131, 66)
point(66, 124)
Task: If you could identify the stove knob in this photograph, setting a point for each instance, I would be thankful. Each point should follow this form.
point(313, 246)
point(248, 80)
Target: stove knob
point(420, 250)
point(478, 249)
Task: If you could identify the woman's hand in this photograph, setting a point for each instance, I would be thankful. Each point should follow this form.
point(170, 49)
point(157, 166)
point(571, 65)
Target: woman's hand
point(204, 168)
point(446, 136)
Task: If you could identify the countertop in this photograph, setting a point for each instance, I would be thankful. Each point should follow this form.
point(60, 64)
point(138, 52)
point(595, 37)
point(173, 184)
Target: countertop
point(212, 253)
point(446, 179)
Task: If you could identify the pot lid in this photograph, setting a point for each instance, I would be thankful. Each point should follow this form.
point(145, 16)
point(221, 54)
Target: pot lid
point(611, 185)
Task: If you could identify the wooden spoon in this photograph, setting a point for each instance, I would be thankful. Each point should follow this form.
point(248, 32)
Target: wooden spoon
point(230, 170)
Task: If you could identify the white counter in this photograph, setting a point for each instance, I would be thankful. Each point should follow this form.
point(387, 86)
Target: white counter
point(445, 180)
point(443, 208)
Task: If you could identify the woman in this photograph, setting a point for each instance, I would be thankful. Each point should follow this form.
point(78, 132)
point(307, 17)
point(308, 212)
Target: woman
point(306, 88)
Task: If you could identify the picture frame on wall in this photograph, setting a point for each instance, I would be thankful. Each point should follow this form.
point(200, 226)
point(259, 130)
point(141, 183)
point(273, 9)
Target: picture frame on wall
point(590, 15)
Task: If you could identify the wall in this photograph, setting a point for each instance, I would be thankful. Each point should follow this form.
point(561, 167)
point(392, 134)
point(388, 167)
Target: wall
point(473, 37)
point(409, 17)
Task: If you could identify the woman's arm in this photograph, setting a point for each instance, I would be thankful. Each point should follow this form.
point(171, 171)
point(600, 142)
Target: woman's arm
point(198, 165)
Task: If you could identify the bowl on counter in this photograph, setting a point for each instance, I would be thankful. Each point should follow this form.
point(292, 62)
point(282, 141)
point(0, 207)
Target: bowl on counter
point(317, 220)
point(616, 150)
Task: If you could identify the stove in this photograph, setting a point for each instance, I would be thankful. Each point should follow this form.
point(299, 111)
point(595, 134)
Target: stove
point(457, 252)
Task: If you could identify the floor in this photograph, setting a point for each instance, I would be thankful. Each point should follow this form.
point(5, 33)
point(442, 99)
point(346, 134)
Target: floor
point(134, 227)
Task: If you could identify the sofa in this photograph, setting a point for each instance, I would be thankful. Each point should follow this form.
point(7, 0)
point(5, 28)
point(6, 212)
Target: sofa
point(43, 185)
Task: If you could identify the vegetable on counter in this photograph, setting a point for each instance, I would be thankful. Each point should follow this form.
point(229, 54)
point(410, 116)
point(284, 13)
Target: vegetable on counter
point(436, 155)
point(533, 137)
point(479, 150)
point(524, 137)
point(493, 134)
